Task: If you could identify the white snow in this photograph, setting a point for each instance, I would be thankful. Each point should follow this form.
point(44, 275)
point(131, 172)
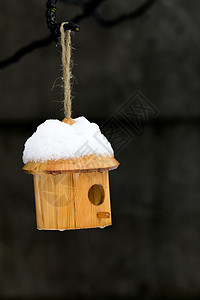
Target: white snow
point(55, 140)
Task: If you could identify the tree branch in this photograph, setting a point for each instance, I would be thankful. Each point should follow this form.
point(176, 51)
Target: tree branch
point(26, 50)
point(124, 17)
point(75, 2)
point(89, 8)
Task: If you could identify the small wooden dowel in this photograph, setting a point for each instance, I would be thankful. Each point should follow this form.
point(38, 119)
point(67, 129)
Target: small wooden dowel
point(103, 214)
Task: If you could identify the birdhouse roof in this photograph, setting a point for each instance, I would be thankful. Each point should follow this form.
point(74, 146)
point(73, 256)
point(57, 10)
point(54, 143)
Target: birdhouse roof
point(59, 148)
point(88, 163)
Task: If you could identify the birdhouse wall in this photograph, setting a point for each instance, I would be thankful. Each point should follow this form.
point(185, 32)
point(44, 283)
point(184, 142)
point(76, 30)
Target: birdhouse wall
point(86, 211)
point(54, 199)
point(62, 201)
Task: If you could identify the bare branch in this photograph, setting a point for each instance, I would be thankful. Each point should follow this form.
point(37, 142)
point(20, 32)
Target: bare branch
point(75, 2)
point(89, 8)
point(124, 17)
point(26, 50)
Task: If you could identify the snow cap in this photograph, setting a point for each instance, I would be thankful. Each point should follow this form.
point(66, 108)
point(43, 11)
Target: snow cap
point(54, 140)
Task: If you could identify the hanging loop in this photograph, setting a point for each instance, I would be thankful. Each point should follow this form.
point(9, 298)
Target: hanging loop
point(52, 25)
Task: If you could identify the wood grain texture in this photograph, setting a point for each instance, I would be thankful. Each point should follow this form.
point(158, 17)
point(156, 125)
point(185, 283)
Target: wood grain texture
point(54, 198)
point(88, 163)
point(86, 212)
point(62, 201)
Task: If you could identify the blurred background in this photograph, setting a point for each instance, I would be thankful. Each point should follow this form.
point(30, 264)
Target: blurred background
point(152, 251)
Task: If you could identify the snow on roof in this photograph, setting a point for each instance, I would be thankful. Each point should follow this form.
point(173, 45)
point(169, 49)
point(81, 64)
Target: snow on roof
point(55, 140)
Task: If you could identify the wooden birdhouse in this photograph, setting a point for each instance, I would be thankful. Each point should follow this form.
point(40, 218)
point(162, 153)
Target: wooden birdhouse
point(72, 193)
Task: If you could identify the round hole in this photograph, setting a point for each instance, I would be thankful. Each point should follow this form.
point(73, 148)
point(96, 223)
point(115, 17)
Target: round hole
point(96, 194)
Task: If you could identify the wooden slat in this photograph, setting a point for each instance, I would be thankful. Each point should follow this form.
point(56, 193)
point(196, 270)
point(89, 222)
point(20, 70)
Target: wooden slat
point(54, 197)
point(86, 212)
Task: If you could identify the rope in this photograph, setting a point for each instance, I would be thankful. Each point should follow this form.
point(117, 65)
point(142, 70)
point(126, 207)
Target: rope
point(66, 56)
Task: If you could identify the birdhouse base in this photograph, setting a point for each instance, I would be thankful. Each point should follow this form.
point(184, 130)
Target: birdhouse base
point(72, 200)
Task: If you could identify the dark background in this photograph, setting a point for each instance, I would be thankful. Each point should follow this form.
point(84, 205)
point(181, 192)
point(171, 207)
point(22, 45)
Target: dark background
point(152, 251)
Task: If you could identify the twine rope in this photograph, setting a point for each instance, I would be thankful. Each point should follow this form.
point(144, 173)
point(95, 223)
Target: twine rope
point(66, 63)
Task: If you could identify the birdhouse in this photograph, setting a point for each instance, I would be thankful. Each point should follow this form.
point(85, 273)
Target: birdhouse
point(72, 193)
